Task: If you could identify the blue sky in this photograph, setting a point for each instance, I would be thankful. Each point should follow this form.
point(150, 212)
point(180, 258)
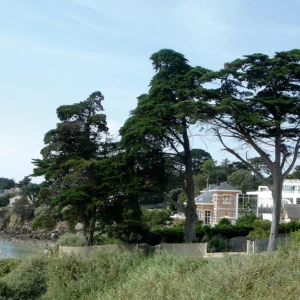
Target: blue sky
point(60, 51)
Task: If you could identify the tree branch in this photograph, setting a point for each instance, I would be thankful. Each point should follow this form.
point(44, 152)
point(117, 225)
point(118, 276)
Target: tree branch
point(176, 204)
point(296, 152)
point(175, 149)
point(243, 160)
point(180, 141)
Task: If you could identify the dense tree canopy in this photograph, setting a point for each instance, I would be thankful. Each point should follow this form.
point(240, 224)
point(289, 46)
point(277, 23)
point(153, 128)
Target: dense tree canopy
point(242, 180)
point(29, 190)
point(295, 174)
point(4, 200)
point(6, 183)
point(257, 103)
point(158, 132)
point(84, 171)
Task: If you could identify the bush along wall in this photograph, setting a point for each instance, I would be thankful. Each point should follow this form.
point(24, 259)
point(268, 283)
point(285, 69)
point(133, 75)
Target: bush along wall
point(204, 233)
point(175, 234)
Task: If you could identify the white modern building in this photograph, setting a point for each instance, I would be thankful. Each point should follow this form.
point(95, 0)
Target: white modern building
point(290, 195)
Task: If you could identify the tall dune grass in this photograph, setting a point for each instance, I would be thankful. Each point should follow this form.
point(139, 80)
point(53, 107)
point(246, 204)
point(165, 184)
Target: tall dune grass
point(164, 276)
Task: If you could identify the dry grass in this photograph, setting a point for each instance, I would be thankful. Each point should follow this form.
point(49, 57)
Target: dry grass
point(115, 276)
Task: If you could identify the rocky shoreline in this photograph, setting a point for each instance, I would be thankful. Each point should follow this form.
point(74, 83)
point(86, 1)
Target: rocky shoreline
point(39, 237)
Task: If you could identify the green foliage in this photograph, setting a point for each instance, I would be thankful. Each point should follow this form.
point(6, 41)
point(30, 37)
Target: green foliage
point(4, 200)
point(71, 240)
point(23, 208)
point(27, 281)
point(242, 180)
point(155, 216)
point(224, 221)
point(167, 235)
point(156, 134)
point(132, 232)
point(199, 156)
point(93, 180)
point(45, 196)
point(164, 276)
point(31, 191)
point(295, 174)
point(6, 183)
point(106, 240)
point(182, 198)
point(216, 243)
point(8, 265)
point(200, 183)
point(295, 237)
point(261, 229)
point(25, 181)
point(46, 219)
point(257, 99)
point(246, 220)
point(175, 234)
point(39, 210)
point(73, 277)
point(286, 228)
point(174, 196)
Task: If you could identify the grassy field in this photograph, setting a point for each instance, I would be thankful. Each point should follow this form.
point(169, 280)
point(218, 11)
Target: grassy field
point(108, 276)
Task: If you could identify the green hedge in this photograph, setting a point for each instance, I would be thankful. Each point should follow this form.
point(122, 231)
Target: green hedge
point(289, 227)
point(176, 234)
point(137, 232)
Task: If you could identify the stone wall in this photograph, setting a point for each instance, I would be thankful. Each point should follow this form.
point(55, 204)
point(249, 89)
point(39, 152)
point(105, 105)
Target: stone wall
point(195, 250)
point(117, 248)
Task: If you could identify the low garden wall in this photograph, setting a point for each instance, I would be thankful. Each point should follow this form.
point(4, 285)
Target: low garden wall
point(196, 250)
point(117, 248)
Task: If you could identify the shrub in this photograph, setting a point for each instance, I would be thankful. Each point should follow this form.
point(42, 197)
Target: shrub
point(246, 220)
point(175, 234)
point(27, 281)
point(289, 227)
point(104, 239)
point(45, 220)
point(4, 200)
point(167, 235)
point(71, 240)
point(216, 243)
point(23, 208)
point(261, 229)
point(155, 216)
point(132, 232)
point(75, 277)
point(7, 265)
point(224, 221)
point(295, 237)
point(39, 210)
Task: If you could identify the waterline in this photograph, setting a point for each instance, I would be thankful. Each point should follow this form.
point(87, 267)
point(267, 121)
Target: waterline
point(15, 250)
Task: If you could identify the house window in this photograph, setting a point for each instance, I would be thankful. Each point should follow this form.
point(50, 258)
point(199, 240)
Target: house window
point(226, 199)
point(298, 200)
point(263, 189)
point(198, 214)
point(289, 189)
point(207, 217)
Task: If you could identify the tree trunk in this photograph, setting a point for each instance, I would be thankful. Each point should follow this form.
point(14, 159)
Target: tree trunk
point(190, 226)
point(89, 229)
point(190, 211)
point(86, 230)
point(276, 195)
point(276, 192)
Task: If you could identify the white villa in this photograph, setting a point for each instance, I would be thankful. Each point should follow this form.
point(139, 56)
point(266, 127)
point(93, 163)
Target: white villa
point(290, 195)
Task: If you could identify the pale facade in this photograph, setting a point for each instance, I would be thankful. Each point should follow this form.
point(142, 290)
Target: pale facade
point(290, 195)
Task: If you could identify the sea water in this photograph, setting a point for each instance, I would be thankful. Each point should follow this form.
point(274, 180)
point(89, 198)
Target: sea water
point(15, 250)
